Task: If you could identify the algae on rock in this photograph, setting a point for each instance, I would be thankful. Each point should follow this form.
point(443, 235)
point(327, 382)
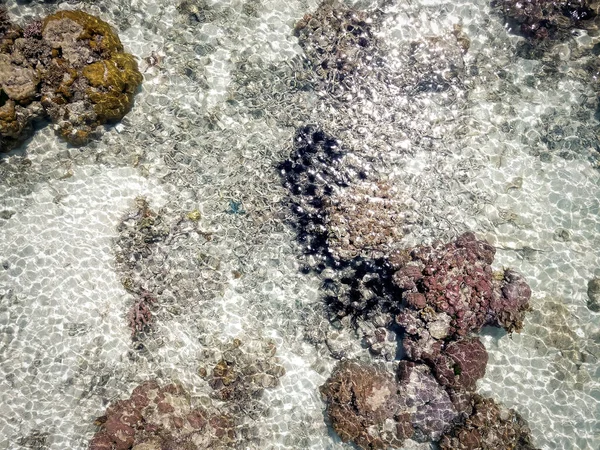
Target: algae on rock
point(71, 68)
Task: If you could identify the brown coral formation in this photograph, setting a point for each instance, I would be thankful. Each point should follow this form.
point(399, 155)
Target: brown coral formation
point(364, 406)
point(368, 406)
point(156, 417)
point(489, 427)
point(71, 68)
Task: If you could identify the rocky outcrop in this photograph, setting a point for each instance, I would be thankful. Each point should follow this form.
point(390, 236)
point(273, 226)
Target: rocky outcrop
point(451, 288)
point(70, 68)
point(364, 407)
point(156, 417)
point(489, 427)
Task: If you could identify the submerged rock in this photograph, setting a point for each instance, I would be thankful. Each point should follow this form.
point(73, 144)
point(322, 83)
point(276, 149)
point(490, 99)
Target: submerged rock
point(364, 407)
point(593, 292)
point(456, 280)
point(157, 417)
point(547, 19)
point(427, 403)
point(489, 427)
point(71, 68)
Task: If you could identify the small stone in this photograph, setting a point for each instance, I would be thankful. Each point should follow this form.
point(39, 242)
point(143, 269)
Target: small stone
point(194, 215)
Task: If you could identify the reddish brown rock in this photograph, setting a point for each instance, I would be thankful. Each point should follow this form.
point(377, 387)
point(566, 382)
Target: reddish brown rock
point(461, 363)
point(161, 418)
point(490, 427)
point(364, 407)
point(456, 280)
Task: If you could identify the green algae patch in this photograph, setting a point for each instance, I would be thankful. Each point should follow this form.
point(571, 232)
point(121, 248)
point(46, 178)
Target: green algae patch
point(113, 84)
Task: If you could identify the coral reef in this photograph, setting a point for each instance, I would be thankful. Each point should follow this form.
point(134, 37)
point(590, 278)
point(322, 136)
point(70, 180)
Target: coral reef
point(461, 363)
point(368, 406)
point(547, 19)
point(489, 427)
point(343, 50)
point(140, 230)
point(4, 21)
point(155, 417)
point(454, 283)
point(140, 316)
point(317, 168)
point(440, 295)
point(340, 214)
point(429, 406)
point(364, 407)
point(167, 417)
point(69, 67)
point(160, 260)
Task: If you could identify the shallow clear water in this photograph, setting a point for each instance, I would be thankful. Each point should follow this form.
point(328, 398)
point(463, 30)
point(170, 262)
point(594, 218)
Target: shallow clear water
point(511, 154)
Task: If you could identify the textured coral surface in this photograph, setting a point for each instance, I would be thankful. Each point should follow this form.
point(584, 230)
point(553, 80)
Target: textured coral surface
point(490, 427)
point(364, 407)
point(156, 417)
point(456, 280)
point(70, 68)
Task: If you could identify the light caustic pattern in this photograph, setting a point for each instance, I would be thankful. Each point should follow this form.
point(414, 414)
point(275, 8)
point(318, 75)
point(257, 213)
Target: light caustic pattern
point(506, 148)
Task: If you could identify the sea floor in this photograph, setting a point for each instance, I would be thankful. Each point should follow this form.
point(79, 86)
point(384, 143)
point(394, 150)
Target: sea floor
point(511, 152)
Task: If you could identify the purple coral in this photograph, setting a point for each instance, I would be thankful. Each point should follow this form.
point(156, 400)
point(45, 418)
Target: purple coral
point(161, 417)
point(33, 30)
point(489, 427)
point(140, 316)
point(510, 302)
point(431, 410)
point(456, 279)
point(461, 363)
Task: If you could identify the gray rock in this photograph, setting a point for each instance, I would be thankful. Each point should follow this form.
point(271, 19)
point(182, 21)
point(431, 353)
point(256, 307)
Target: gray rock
point(593, 292)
